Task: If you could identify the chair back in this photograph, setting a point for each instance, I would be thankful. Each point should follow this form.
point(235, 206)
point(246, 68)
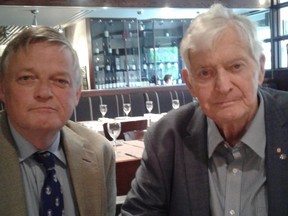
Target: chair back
point(134, 135)
point(127, 126)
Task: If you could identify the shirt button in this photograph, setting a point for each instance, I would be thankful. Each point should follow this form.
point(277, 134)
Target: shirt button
point(232, 212)
point(234, 170)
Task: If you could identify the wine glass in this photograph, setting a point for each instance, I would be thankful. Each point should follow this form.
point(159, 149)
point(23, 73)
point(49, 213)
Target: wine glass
point(149, 106)
point(114, 129)
point(103, 109)
point(175, 103)
point(126, 108)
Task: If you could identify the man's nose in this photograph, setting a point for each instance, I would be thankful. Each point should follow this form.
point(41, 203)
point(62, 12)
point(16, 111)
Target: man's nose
point(223, 82)
point(43, 89)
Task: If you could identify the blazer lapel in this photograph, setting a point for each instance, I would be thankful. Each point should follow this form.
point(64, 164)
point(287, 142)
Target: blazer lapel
point(85, 173)
point(196, 165)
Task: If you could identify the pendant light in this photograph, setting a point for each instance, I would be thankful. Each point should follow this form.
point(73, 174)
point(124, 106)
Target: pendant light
point(34, 22)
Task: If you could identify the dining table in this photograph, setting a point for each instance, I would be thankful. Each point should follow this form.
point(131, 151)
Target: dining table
point(97, 125)
point(128, 158)
point(128, 153)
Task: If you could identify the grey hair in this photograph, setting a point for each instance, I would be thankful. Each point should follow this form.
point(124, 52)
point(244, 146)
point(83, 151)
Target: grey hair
point(33, 35)
point(207, 27)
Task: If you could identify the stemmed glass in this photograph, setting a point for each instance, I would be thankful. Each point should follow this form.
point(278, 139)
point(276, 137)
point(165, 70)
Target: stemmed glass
point(126, 108)
point(103, 109)
point(175, 103)
point(149, 106)
point(114, 129)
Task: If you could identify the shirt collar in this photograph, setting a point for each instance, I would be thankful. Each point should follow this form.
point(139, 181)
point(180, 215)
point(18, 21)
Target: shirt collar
point(255, 137)
point(26, 149)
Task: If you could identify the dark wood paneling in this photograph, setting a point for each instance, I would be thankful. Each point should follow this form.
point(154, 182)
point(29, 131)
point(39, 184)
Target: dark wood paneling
point(137, 3)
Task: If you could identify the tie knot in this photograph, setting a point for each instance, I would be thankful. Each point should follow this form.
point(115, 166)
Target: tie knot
point(47, 159)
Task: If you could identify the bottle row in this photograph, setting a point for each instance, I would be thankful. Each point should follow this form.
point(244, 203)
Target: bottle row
point(144, 52)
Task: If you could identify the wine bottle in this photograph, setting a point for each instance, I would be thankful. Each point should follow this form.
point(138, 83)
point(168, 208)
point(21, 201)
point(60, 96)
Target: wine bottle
point(97, 50)
point(109, 49)
point(144, 64)
point(106, 33)
point(133, 65)
point(117, 60)
point(107, 65)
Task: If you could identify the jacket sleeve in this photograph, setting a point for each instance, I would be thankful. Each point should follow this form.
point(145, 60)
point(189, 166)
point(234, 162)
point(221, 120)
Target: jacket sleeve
point(151, 189)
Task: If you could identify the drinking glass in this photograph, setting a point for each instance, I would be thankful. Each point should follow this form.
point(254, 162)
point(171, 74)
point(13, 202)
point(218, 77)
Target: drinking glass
point(126, 108)
point(103, 109)
point(175, 103)
point(114, 129)
point(149, 106)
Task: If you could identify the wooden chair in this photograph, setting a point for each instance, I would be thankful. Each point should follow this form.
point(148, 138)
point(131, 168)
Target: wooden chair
point(127, 126)
point(134, 135)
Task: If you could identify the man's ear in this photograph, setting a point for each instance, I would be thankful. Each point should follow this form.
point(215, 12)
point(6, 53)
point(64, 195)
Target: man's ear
point(78, 95)
point(185, 75)
point(261, 74)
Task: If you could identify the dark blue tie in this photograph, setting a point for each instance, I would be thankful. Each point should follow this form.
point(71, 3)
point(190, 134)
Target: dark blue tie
point(52, 203)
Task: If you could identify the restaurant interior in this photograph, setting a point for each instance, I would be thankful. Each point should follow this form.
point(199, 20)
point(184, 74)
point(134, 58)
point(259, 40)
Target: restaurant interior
point(125, 50)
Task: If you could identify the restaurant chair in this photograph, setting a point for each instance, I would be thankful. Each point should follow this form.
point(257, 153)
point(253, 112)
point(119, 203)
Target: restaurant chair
point(124, 98)
point(187, 96)
point(165, 101)
point(153, 96)
point(134, 135)
point(138, 107)
point(96, 101)
point(83, 111)
point(127, 126)
point(113, 106)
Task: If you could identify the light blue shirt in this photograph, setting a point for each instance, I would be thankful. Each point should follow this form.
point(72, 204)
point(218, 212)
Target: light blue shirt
point(239, 188)
point(33, 174)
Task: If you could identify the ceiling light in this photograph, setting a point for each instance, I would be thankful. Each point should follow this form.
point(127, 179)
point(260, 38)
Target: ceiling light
point(34, 22)
point(139, 12)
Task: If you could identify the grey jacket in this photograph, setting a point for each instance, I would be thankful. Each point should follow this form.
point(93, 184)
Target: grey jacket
point(173, 176)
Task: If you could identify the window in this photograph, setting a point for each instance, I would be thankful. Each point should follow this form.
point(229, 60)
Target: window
point(261, 18)
point(283, 21)
point(166, 61)
point(283, 53)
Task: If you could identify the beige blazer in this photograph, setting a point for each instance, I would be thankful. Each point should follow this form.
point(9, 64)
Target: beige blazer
point(92, 166)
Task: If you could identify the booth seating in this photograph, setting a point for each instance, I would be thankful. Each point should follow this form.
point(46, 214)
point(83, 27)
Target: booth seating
point(88, 106)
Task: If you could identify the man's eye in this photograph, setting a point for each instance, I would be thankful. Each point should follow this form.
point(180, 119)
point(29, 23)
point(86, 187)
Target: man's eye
point(237, 67)
point(24, 78)
point(204, 73)
point(62, 82)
